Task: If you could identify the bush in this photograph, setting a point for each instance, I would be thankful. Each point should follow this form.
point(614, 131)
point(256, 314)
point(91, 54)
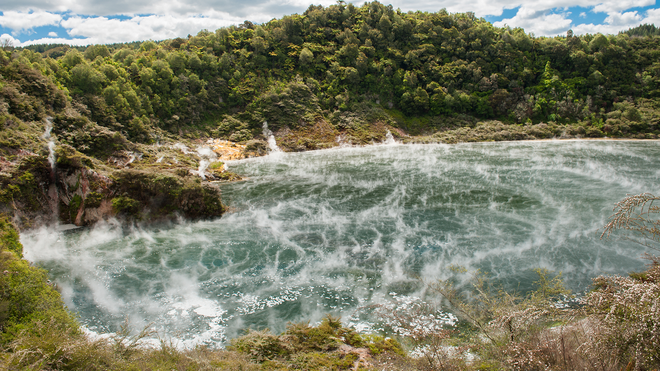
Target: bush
point(93, 200)
point(162, 194)
point(260, 345)
point(9, 240)
point(38, 333)
point(125, 205)
point(26, 298)
point(46, 344)
point(328, 346)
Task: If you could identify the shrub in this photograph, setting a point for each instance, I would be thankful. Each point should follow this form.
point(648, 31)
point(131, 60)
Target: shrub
point(9, 240)
point(302, 337)
point(161, 194)
point(46, 344)
point(26, 298)
point(125, 205)
point(626, 311)
point(93, 200)
point(328, 346)
point(637, 218)
point(259, 345)
point(323, 361)
point(378, 344)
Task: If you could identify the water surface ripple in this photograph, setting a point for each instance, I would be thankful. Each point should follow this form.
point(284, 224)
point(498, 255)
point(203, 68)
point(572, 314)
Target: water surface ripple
point(331, 231)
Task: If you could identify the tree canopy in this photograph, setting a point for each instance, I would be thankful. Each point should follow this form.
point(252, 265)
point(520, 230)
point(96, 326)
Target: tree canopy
point(332, 62)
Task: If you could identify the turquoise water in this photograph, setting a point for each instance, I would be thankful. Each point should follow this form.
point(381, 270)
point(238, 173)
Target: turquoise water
point(337, 230)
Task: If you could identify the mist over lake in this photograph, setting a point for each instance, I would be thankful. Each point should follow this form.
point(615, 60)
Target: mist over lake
point(336, 230)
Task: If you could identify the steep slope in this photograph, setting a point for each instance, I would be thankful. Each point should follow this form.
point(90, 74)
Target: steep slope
point(87, 175)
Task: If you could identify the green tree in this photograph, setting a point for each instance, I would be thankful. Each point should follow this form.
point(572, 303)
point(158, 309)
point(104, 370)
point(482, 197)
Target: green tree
point(86, 79)
point(306, 57)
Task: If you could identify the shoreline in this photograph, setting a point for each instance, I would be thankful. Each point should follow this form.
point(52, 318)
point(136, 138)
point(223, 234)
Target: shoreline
point(412, 143)
point(416, 141)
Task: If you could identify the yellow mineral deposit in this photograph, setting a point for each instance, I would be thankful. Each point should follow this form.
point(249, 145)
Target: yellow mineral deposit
point(226, 150)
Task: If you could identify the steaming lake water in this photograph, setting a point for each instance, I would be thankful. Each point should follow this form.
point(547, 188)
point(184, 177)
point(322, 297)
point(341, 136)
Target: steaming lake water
point(336, 230)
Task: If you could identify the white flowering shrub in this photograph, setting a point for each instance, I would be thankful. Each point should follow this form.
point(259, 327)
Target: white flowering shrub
point(626, 310)
point(637, 218)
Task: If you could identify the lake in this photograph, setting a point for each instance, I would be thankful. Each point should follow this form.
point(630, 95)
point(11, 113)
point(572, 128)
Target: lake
point(338, 230)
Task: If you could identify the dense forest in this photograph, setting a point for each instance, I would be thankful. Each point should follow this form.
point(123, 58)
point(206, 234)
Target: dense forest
point(350, 66)
point(643, 30)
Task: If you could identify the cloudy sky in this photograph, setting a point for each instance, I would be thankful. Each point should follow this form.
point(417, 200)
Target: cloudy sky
point(83, 22)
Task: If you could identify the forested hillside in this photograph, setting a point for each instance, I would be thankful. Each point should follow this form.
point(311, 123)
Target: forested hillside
point(358, 65)
point(341, 73)
point(643, 30)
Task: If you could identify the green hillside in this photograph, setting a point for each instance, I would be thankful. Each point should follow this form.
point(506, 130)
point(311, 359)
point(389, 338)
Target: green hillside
point(351, 66)
point(346, 72)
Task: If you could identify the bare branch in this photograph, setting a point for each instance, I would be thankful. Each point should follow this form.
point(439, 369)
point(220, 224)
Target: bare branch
point(6, 44)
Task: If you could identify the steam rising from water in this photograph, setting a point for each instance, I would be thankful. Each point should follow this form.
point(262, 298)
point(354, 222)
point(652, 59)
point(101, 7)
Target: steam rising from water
point(51, 143)
point(389, 138)
point(335, 230)
point(207, 156)
point(272, 144)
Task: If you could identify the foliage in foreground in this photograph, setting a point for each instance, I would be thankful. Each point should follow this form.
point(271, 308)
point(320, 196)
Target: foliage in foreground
point(613, 327)
point(326, 346)
point(26, 296)
point(38, 333)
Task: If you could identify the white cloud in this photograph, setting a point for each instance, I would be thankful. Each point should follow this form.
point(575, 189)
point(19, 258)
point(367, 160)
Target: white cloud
point(52, 34)
point(56, 40)
point(23, 21)
point(482, 8)
point(545, 23)
point(9, 39)
point(621, 5)
point(652, 16)
point(623, 19)
point(102, 30)
point(251, 9)
point(246, 9)
point(614, 23)
point(539, 23)
point(153, 27)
